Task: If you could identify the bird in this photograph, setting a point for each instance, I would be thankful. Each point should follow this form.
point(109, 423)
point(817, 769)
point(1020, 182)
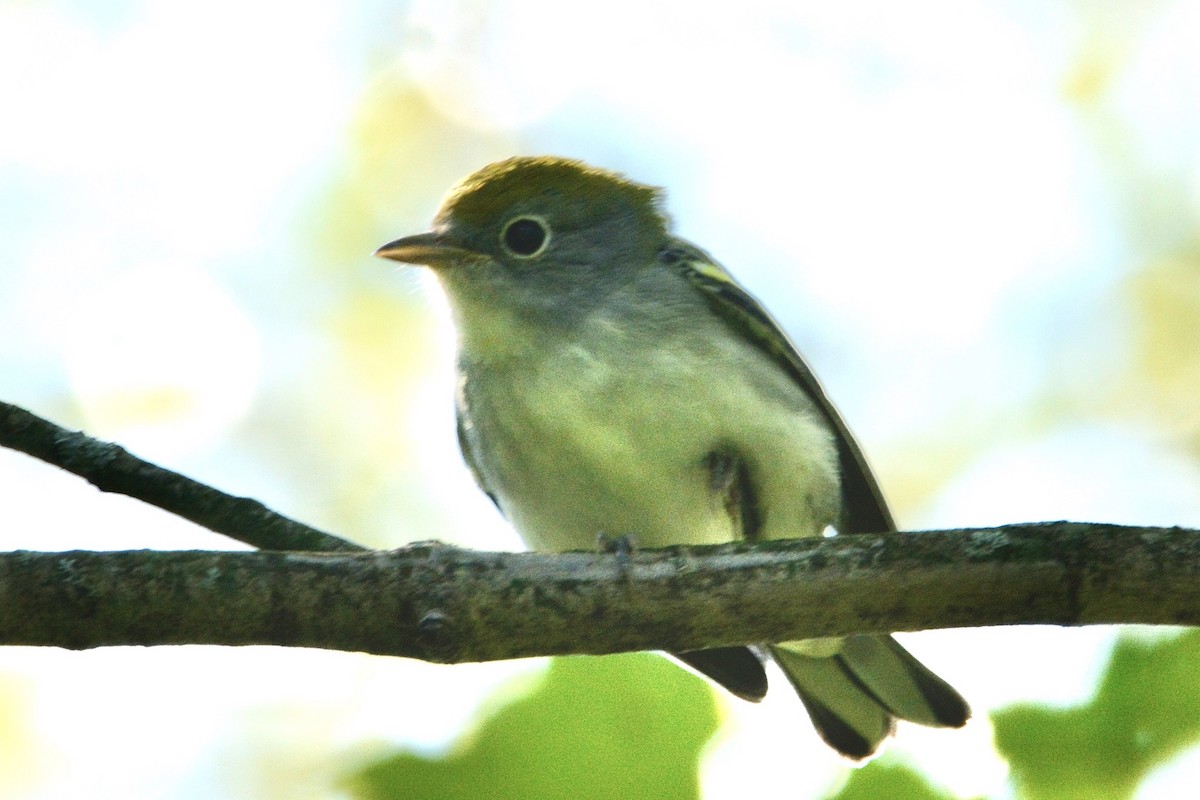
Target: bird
point(613, 377)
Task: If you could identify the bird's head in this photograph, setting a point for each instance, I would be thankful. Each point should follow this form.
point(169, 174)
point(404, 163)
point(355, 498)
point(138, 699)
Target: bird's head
point(546, 223)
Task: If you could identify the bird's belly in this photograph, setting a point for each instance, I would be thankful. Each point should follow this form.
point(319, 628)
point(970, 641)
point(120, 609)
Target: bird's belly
point(589, 463)
point(585, 449)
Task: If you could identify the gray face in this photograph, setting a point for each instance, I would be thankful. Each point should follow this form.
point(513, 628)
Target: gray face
point(549, 240)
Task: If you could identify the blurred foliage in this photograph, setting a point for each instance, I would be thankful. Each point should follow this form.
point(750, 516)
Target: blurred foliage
point(1165, 299)
point(618, 726)
point(886, 778)
point(379, 346)
point(1145, 711)
point(18, 767)
point(635, 726)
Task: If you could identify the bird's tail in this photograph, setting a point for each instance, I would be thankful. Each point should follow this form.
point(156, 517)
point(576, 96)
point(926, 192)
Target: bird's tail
point(856, 688)
point(738, 669)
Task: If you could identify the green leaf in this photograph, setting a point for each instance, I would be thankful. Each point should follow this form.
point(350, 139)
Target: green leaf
point(598, 727)
point(885, 779)
point(1145, 711)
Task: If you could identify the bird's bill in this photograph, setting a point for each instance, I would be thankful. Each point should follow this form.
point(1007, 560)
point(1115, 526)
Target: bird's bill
point(429, 249)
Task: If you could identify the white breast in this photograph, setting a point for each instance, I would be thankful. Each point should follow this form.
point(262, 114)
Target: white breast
point(574, 445)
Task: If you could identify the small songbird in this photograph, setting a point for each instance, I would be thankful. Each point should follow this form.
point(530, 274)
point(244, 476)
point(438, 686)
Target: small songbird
point(614, 378)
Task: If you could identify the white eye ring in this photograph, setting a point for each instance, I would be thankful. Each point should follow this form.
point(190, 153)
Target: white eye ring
point(526, 236)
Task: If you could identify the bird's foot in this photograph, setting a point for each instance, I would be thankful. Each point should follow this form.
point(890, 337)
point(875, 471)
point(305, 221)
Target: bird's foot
point(622, 547)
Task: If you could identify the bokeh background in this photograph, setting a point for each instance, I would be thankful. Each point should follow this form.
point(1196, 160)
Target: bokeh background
point(978, 219)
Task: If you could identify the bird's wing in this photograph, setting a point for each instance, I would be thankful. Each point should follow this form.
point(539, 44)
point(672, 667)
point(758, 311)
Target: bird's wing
point(464, 445)
point(866, 510)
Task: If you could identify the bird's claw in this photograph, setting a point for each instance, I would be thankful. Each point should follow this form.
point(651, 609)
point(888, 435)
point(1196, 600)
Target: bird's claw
point(622, 547)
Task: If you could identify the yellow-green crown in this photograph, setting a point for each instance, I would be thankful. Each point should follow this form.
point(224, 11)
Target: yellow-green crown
point(575, 193)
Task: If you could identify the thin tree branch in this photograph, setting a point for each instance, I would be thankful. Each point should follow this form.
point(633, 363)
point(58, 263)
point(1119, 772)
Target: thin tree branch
point(444, 604)
point(111, 468)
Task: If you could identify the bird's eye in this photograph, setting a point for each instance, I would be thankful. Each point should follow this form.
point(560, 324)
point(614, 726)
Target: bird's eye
point(525, 237)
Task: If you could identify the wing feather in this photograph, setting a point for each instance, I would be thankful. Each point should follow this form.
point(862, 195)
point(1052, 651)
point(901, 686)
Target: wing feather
point(464, 445)
point(866, 509)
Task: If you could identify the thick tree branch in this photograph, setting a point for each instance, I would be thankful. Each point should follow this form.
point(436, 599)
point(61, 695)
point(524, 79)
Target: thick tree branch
point(443, 604)
point(111, 468)
point(440, 603)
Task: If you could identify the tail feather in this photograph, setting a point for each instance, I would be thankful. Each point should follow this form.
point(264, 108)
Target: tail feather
point(738, 669)
point(846, 716)
point(905, 686)
point(855, 695)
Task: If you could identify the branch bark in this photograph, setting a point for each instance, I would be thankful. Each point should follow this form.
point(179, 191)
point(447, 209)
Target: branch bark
point(111, 468)
point(440, 603)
